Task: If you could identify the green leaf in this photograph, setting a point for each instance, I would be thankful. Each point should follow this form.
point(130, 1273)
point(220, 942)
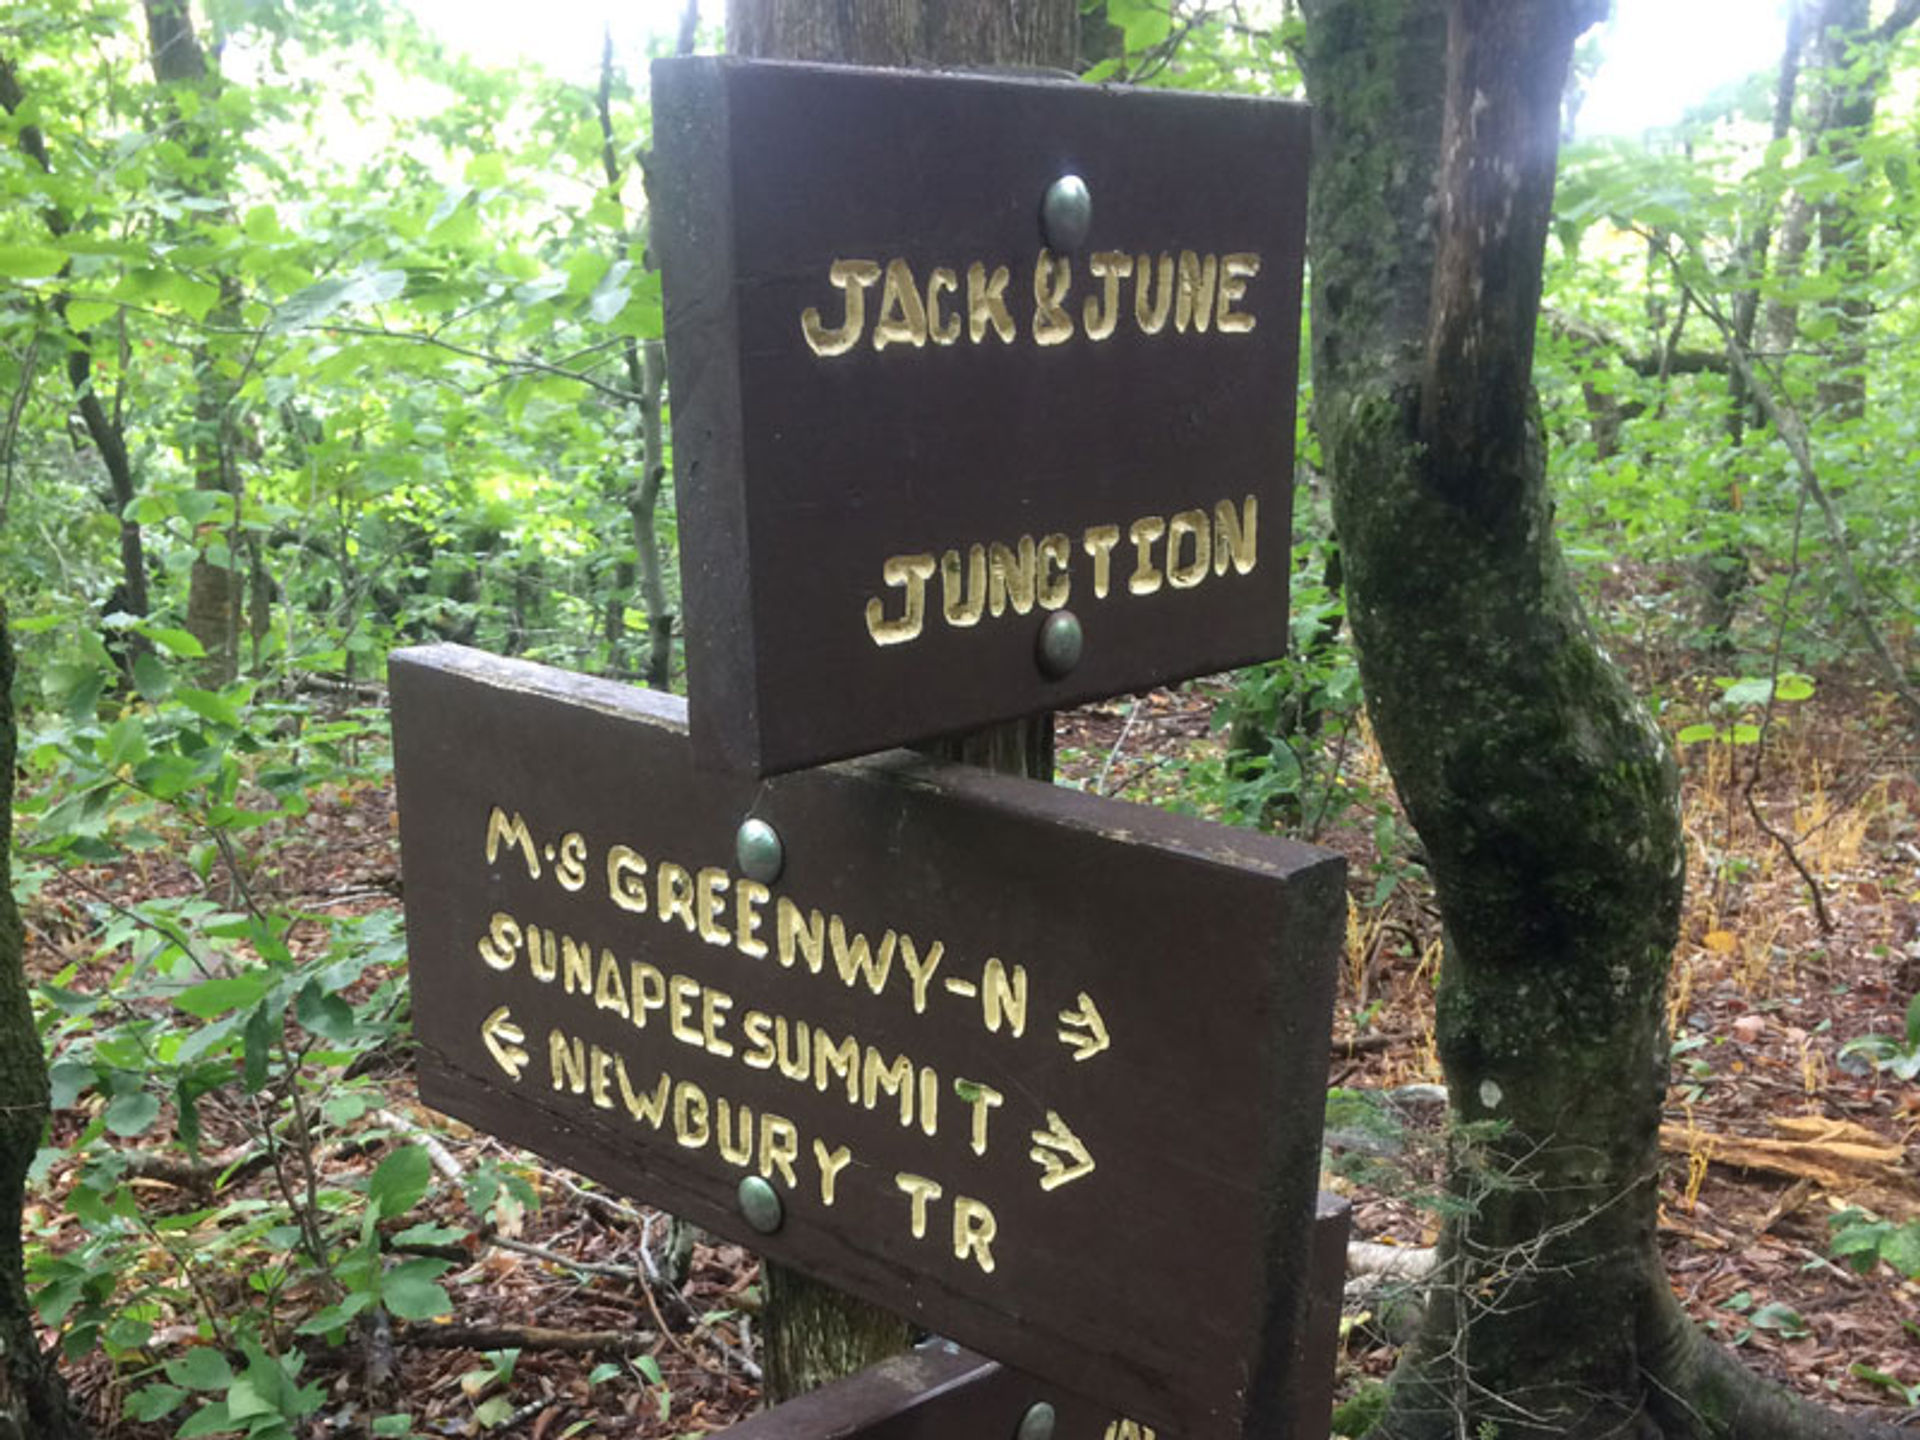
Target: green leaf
point(132, 1114)
point(1693, 734)
point(209, 1419)
point(400, 1181)
point(410, 1292)
point(150, 677)
point(152, 1401)
point(1901, 1249)
point(325, 1015)
point(224, 993)
point(263, 1028)
point(495, 1410)
point(1793, 686)
point(1913, 1023)
point(209, 705)
point(606, 1370)
point(30, 262)
point(175, 642)
point(393, 1425)
point(200, 1369)
point(244, 1400)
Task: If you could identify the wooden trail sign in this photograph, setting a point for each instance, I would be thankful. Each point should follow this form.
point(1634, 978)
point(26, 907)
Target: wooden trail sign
point(1040, 1070)
point(982, 390)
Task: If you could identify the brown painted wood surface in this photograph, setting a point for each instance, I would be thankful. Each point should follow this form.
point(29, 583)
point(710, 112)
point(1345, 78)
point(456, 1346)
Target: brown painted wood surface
point(803, 474)
point(1165, 1282)
point(942, 1392)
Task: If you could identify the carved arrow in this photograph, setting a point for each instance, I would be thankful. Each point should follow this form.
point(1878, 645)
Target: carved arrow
point(1060, 1153)
point(503, 1039)
point(1082, 1030)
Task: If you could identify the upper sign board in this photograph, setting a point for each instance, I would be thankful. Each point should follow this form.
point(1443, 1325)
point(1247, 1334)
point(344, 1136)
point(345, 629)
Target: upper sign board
point(982, 394)
point(1040, 1070)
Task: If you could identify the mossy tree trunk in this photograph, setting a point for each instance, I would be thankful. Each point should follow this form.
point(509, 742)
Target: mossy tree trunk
point(1544, 795)
point(814, 1333)
point(33, 1404)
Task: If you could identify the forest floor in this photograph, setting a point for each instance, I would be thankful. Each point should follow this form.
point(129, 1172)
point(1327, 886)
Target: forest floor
point(1771, 1130)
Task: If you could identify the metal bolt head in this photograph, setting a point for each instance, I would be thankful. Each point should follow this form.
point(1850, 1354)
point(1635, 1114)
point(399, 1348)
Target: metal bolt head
point(760, 1204)
point(1037, 1423)
point(758, 849)
point(1061, 644)
point(1066, 213)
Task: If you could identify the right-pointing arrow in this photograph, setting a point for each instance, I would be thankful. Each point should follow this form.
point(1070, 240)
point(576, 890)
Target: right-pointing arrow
point(1082, 1030)
point(503, 1039)
point(1060, 1153)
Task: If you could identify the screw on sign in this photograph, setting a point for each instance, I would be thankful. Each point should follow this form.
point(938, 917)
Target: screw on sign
point(999, 1055)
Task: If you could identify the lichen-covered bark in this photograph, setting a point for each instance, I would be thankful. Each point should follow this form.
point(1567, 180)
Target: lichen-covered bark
point(1543, 794)
point(33, 1405)
point(813, 1333)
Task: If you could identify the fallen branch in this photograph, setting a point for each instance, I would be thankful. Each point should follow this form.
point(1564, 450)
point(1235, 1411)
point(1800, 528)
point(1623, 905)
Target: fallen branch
point(526, 1337)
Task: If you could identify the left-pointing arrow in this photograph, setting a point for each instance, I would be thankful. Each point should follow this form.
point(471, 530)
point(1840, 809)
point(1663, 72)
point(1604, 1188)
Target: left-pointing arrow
point(503, 1039)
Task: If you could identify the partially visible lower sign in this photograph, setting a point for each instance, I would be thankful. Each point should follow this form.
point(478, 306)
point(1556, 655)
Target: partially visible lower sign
point(1043, 1071)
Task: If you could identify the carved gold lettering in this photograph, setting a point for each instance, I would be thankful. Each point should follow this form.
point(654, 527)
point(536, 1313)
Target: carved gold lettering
point(649, 1108)
point(1011, 576)
point(842, 1059)
point(962, 605)
point(918, 1190)
point(673, 895)
point(929, 1102)
point(1193, 300)
point(896, 1079)
point(1101, 313)
point(944, 331)
point(1003, 996)
point(1099, 542)
point(609, 990)
point(502, 831)
point(567, 1061)
point(714, 1005)
point(1052, 276)
point(920, 972)
point(856, 960)
point(796, 1059)
point(501, 943)
point(1236, 537)
point(973, 1230)
point(983, 1098)
point(709, 886)
point(627, 879)
point(736, 1142)
point(801, 932)
point(748, 897)
point(680, 994)
point(571, 871)
point(987, 303)
point(649, 991)
point(1055, 582)
point(691, 1125)
point(1188, 525)
point(1146, 576)
point(830, 1163)
point(853, 277)
point(757, 1026)
point(902, 319)
point(600, 1084)
point(543, 954)
point(1235, 270)
point(576, 966)
point(911, 572)
point(779, 1148)
point(1152, 297)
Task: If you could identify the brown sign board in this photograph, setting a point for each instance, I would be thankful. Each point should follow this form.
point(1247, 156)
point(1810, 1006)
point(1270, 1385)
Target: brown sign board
point(942, 1392)
point(915, 423)
point(1039, 1070)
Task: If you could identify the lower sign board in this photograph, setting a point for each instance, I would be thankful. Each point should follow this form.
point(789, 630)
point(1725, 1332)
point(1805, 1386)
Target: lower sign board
point(1042, 1071)
point(982, 389)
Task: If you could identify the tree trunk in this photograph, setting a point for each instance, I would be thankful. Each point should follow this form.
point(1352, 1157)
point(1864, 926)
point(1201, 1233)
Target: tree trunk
point(814, 1334)
point(33, 1403)
point(214, 587)
point(1543, 793)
